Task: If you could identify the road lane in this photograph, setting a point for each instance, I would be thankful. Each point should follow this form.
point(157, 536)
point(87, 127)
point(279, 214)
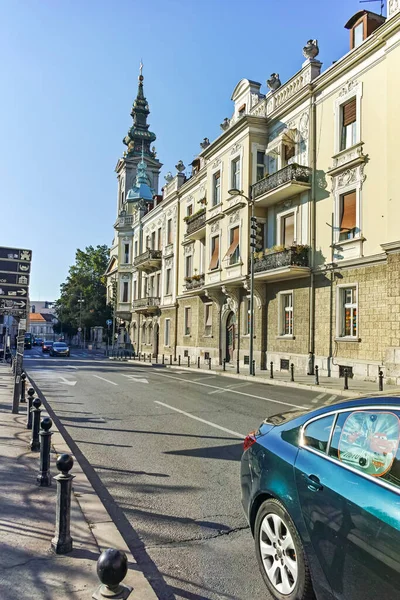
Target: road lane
point(155, 449)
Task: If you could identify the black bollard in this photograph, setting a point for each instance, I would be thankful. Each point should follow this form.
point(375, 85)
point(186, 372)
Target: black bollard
point(224, 364)
point(188, 361)
point(44, 478)
point(316, 369)
point(271, 370)
point(346, 379)
point(138, 356)
point(179, 360)
point(163, 359)
point(209, 363)
point(35, 442)
point(238, 365)
point(31, 393)
point(112, 567)
point(23, 380)
point(292, 372)
point(253, 368)
point(198, 362)
point(170, 359)
point(380, 377)
point(62, 540)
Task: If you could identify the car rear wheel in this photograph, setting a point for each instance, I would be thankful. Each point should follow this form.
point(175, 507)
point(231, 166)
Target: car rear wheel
point(280, 553)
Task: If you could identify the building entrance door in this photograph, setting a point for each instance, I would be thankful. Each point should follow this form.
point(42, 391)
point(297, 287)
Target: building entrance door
point(230, 337)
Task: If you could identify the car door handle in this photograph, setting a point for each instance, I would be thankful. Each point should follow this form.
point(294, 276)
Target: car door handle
point(313, 483)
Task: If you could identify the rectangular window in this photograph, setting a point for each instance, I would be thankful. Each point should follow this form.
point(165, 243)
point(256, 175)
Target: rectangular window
point(136, 248)
point(349, 312)
point(169, 231)
point(134, 290)
point(286, 314)
point(158, 285)
point(189, 210)
point(153, 241)
point(349, 124)
point(188, 266)
point(216, 195)
point(167, 332)
point(347, 216)
point(168, 281)
point(358, 34)
point(208, 319)
point(287, 236)
point(147, 241)
point(126, 253)
point(236, 174)
point(159, 239)
point(188, 319)
point(125, 291)
point(272, 165)
point(151, 286)
point(214, 263)
point(233, 250)
point(290, 151)
point(260, 165)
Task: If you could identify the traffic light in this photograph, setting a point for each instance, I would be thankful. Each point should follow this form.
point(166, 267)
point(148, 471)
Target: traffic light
point(256, 234)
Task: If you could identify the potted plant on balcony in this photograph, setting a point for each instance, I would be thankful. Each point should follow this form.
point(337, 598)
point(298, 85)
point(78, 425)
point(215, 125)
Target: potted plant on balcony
point(188, 279)
point(196, 276)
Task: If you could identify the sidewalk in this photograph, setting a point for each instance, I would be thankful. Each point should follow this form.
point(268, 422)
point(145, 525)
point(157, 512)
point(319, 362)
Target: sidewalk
point(327, 385)
point(28, 567)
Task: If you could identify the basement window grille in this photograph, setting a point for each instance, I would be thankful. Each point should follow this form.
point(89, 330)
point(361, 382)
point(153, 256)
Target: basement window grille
point(284, 364)
point(349, 371)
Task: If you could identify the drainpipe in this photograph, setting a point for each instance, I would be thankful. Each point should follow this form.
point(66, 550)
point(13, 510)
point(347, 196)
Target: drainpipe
point(311, 342)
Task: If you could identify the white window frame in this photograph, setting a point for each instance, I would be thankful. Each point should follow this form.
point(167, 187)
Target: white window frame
point(216, 187)
point(190, 204)
point(207, 305)
point(126, 254)
point(357, 92)
point(167, 332)
point(281, 314)
point(234, 160)
point(123, 282)
point(228, 258)
point(168, 291)
point(340, 312)
point(187, 331)
point(279, 224)
point(191, 263)
point(219, 167)
point(168, 241)
point(210, 252)
point(338, 192)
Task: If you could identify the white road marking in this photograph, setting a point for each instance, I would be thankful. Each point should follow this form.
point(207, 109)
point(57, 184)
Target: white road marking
point(228, 388)
point(66, 381)
point(319, 397)
point(235, 433)
point(103, 379)
point(136, 379)
point(205, 378)
point(331, 399)
point(155, 372)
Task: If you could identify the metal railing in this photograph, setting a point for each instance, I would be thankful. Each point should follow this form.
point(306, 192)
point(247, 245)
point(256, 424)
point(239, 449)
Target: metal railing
point(149, 302)
point(298, 257)
point(146, 256)
point(195, 222)
point(290, 173)
point(195, 282)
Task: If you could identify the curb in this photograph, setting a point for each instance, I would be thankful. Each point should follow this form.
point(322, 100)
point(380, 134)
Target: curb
point(98, 519)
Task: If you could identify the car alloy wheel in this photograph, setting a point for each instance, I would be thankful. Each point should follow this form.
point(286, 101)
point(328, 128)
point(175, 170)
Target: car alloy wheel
point(280, 554)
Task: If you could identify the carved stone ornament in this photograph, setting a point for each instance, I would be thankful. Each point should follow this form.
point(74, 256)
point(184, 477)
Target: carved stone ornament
point(168, 262)
point(168, 177)
point(255, 99)
point(234, 217)
point(274, 82)
point(260, 292)
point(215, 295)
point(202, 191)
point(216, 163)
point(394, 6)
point(235, 148)
point(260, 110)
point(304, 125)
point(215, 227)
point(348, 87)
point(225, 124)
point(125, 239)
point(348, 156)
point(311, 49)
point(180, 167)
point(189, 199)
point(233, 296)
point(353, 176)
point(188, 249)
point(205, 143)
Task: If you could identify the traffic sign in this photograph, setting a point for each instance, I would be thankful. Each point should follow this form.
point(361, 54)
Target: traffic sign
point(108, 322)
point(14, 291)
point(16, 254)
point(14, 279)
point(11, 304)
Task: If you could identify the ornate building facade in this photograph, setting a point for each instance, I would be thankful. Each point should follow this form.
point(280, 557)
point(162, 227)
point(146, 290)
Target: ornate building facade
point(316, 156)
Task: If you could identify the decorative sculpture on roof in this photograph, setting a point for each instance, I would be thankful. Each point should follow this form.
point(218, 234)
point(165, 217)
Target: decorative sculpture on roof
point(311, 49)
point(274, 83)
point(205, 143)
point(225, 124)
point(168, 177)
point(180, 167)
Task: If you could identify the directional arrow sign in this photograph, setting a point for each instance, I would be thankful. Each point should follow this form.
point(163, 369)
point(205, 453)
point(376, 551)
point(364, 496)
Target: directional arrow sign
point(12, 304)
point(14, 279)
point(66, 381)
point(13, 266)
point(13, 291)
point(136, 379)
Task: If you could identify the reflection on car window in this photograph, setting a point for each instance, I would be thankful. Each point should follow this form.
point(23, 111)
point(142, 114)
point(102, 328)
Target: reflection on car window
point(316, 434)
point(368, 440)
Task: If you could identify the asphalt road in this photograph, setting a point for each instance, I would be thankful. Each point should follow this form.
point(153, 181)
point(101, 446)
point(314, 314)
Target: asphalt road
point(162, 449)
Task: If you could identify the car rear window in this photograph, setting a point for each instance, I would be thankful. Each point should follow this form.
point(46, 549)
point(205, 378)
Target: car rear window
point(59, 345)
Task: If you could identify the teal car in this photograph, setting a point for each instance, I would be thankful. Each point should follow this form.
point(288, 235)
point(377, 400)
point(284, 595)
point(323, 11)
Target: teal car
point(321, 492)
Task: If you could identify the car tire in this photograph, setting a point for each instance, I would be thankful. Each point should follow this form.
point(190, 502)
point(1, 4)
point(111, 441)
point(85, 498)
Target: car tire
point(272, 513)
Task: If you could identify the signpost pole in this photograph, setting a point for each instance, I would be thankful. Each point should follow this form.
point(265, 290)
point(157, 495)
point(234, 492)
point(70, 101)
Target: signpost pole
point(19, 365)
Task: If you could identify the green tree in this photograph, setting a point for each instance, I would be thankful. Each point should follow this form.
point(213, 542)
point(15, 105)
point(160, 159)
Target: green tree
point(85, 280)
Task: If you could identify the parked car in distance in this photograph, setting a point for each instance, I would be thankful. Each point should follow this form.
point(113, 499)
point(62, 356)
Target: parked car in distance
point(46, 345)
point(59, 349)
point(38, 341)
point(28, 341)
point(321, 492)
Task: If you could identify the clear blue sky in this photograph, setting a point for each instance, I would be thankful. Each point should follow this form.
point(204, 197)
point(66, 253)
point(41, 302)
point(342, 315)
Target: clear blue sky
point(69, 75)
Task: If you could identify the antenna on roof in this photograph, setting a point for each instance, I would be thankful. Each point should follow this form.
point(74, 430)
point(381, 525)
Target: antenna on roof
point(381, 1)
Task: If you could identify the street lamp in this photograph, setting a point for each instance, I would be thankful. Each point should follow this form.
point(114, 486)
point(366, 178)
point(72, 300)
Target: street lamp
point(250, 201)
point(81, 301)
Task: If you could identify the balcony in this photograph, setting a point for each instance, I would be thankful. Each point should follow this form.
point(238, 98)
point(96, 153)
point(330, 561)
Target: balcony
point(194, 283)
point(124, 221)
point(289, 181)
point(146, 305)
point(196, 225)
point(290, 263)
point(148, 261)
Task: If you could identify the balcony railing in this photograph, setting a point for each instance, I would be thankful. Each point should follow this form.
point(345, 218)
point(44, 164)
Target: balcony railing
point(291, 174)
point(196, 221)
point(194, 282)
point(290, 257)
point(151, 258)
point(151, 302)
point(124, 221)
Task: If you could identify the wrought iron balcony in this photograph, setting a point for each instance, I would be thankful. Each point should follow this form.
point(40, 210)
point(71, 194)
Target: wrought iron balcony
point(286, 182)
point(196, 223)
point(149, 304)
point(290, 262)
point(197, 281)
point(149, 260)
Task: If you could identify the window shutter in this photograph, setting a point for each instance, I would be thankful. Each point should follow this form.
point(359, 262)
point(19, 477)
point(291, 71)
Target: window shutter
point(215, 255)
point(234, 244)
point(349, 112)
point(348, 218)
point(217, 175)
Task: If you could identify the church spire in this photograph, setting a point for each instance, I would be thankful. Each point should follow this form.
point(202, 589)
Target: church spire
point(139, 134)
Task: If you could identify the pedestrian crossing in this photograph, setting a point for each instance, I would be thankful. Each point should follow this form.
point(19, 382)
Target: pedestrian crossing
point(324, 398)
